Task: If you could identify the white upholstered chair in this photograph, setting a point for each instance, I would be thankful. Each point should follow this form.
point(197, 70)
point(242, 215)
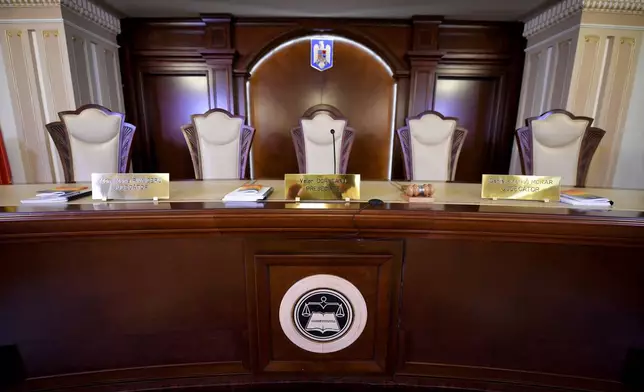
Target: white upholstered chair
point(314, 143)
point(558, 143)
point(91, 139)
point(431, 145)
point(219, 144)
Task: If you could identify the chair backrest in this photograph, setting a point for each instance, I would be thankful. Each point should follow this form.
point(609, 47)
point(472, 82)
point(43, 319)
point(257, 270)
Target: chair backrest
point(314, 143)
point(558, 143)
point(219, 144)
point(431, 145)
point(91, 139)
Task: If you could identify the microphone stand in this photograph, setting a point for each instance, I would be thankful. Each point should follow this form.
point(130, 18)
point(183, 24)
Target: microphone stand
point(334, 160)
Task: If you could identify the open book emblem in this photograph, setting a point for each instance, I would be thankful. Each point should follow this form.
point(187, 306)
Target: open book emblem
point(322, 315)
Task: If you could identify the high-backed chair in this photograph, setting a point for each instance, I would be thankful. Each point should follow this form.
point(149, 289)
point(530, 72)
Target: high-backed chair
point(91, 139)
point(558, 143)
point(431, 145)
point(314, 143)
point(219, 144)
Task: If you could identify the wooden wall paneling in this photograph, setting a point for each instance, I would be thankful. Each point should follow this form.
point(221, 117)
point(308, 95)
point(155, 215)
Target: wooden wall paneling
point(422, 83)
point(239, 91)
point(423, 58)
point(220, 67)
point(476, 98)
point(401, 113)
point(254, 37)
point(169, 96)
point(285, 86)
point(189, 66)
point(414, 49)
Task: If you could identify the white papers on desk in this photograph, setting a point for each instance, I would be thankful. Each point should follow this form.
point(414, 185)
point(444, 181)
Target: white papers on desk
point(244, 194)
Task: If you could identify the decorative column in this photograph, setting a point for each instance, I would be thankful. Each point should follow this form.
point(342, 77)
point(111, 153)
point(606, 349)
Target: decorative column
point(424, 58)
point(54, 56)
point(582, 56)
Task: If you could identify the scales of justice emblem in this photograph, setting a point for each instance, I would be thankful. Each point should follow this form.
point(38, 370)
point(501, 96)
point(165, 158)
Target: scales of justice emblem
point(321, 54)
point(323, 315)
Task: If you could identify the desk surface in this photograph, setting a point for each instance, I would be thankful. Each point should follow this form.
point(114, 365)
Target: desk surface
point(208, 195)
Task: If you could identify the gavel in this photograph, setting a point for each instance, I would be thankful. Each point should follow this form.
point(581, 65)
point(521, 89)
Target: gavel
point(423, 190)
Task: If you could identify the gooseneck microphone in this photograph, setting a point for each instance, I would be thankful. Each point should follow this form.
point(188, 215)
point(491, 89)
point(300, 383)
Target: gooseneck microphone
point(334, 160)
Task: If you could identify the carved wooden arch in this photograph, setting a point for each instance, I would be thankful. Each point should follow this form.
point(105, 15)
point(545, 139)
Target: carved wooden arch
point(404, 135)
point(589, 143)
point(192, 140)
point(397, 67)
point(348, 136)
point(58, 132)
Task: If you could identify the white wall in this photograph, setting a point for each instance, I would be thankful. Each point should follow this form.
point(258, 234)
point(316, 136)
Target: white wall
point(630, 163)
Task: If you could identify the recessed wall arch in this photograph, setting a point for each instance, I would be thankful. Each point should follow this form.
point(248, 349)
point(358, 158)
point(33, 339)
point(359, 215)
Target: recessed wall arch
point(282, 85)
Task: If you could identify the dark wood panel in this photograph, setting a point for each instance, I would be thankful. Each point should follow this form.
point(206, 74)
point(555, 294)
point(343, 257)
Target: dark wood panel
point(373, 267)
point(488, 38)
point(169, 99)
point(358, 85)
point(97, 304)
point(492, 299)
point(473, 101)
point(497, 308)
point(177, 38)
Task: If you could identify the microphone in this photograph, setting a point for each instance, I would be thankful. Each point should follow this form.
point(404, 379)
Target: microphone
point(334, 160)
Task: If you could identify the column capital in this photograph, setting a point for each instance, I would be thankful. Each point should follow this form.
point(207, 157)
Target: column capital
point(83, 8)
point(568, 8)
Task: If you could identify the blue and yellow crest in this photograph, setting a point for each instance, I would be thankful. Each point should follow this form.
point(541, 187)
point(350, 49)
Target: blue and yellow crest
point(321, 53)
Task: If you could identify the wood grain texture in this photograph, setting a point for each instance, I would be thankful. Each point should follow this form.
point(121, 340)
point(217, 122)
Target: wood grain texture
point(357, 85)
point(170, 98)
point(472, 100)
point(185, 297)
point(501, 292)
point(373, 268)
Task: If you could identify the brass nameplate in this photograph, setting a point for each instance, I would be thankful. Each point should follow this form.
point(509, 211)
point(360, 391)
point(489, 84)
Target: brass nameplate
point(541, 188)
point(130, 186)
point(322, 186)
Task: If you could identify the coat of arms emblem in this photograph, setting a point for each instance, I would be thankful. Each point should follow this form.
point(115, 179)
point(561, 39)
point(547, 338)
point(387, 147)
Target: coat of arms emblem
point(322, 315)
point(321, 54)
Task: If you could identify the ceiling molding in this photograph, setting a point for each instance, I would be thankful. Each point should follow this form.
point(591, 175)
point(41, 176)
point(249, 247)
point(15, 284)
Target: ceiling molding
point(84, 8)
point(567, 8)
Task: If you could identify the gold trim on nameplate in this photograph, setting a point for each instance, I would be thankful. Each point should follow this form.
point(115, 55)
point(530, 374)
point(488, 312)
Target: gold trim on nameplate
point(130, 186)
point(539, 188)
point(322, 186)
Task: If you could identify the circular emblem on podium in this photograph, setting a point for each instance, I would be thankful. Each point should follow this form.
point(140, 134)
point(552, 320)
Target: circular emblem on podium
point(323, 313)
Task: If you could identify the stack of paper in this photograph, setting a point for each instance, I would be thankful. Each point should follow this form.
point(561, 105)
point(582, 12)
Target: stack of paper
point(578, 197)
point(61, 194)
point(247, 193)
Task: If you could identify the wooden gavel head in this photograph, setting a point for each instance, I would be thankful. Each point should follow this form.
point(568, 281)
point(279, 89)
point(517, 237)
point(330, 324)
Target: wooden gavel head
point(423, 190)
